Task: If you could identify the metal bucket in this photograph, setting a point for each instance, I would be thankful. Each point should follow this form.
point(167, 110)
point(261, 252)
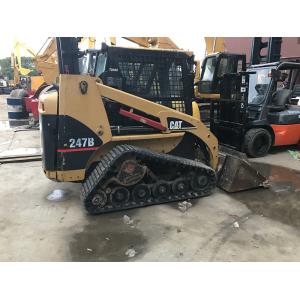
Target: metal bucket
point(235, 173)
point(17, 114)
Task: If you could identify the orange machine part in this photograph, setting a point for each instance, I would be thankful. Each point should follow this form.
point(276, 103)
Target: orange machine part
point(286, 134)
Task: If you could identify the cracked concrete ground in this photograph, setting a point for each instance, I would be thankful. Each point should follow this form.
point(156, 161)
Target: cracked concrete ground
point(258, 225)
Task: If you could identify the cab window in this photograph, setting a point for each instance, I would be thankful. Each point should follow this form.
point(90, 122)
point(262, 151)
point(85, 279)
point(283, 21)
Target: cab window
point(101, 62)
point(209, 70)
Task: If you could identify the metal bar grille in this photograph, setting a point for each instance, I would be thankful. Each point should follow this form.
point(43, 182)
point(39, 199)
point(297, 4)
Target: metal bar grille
point(154, 75)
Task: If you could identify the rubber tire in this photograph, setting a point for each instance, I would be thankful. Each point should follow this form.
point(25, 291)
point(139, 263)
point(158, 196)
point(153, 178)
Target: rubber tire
point(249, 142)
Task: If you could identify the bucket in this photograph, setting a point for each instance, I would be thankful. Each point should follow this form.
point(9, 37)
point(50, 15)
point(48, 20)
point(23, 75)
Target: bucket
point(17, 114)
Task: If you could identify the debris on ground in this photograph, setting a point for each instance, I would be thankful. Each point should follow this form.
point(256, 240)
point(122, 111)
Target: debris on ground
point(57, 195)
point(236, 224)
point(184, 206)
point(107, 238)
point(127, 220)
point(295, 154)
point(130, 252)
point(89, 249)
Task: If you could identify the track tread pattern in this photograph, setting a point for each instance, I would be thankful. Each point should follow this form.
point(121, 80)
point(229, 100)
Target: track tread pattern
point(101, 171)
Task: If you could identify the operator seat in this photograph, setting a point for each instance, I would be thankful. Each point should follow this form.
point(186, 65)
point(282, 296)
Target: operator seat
point(280, 112)
point(280, 100)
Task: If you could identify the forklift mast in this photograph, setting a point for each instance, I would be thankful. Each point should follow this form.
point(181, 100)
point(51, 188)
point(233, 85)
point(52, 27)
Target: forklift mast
point(273, 50)
point(229, 113)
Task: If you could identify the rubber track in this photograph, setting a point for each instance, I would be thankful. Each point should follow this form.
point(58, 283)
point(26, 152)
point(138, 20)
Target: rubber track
point(99, 174)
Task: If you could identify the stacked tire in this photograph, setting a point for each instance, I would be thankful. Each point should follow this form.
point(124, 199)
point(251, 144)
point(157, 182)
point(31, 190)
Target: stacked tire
point(6, 90)
point(17, 114)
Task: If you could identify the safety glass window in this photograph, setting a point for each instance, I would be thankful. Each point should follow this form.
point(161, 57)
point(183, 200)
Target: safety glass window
point(209, 70)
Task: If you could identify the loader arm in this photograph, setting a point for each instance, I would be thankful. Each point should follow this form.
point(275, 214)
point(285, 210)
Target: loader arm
point(153, 42)
point(89, 110)
point(195, 126)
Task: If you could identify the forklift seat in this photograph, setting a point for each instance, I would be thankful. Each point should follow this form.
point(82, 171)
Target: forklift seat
point(281, 99)
point(289, 116)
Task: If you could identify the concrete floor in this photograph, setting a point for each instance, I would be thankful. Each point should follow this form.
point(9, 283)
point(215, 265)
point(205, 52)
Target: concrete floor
point(258, 225)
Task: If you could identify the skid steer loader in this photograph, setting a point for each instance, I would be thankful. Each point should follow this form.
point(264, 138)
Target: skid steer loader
point(122, 121)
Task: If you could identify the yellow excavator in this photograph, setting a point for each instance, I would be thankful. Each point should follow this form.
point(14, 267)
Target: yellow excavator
point(46, 58)
point(46, 61)
point(123, 122)
point(21, 72)
point(214, 46)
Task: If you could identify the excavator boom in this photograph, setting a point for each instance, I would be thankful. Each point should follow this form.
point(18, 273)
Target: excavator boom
point(214, 44)
point(46, 62)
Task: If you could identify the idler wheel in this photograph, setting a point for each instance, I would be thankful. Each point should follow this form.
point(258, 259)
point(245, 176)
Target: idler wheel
point(199, 182)
point(119, 194)
point(99, 199)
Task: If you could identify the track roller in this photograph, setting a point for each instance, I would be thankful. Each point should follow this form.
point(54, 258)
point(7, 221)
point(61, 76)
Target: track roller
point(119, 195)
point(141, 192)
point(135, 177)
point(161, 189)
point(179, 186)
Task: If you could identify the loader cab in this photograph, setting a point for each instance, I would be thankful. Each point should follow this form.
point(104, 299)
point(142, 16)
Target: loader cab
point(92, 62)
point(87, 62)
point(214, 67)
point(162, 76)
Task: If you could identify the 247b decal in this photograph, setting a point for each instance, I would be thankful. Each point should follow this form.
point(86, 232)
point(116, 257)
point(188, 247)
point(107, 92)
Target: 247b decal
point(81, 142)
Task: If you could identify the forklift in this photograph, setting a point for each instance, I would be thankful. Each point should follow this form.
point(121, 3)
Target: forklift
point(257, 108)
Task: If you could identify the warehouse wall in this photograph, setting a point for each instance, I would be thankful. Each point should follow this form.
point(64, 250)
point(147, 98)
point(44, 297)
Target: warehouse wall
point(290, 46)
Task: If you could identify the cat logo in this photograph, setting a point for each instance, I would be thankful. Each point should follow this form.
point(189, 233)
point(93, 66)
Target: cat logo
point(175, 124)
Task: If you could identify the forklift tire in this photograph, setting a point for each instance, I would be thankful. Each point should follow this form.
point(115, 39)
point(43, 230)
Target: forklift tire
point(257, 142)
